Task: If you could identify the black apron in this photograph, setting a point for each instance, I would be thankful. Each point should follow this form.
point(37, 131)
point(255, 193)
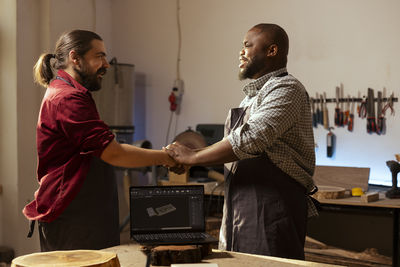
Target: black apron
point(265, 210)
point(91, 221)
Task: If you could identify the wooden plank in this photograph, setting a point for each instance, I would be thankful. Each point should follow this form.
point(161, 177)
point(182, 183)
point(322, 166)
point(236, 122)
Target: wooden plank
point(346, 177)
point(329, 192)
point(382, 202)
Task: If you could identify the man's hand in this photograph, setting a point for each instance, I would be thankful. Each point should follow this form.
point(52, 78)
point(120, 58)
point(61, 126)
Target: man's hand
point(180, 153)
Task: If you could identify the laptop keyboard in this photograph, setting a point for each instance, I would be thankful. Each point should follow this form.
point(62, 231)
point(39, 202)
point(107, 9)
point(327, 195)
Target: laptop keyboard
point(169, 237)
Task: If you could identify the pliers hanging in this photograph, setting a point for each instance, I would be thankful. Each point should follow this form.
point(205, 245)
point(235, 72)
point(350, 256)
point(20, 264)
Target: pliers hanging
point(362, 112)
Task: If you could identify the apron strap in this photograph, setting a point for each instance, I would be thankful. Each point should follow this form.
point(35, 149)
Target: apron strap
point(32, 228)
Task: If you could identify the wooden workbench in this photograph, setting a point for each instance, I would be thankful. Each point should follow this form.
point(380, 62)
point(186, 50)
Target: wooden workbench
point(129, 255)
point(385, 205)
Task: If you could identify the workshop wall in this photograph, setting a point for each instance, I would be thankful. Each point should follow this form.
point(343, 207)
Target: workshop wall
point(8, 157)
point(331, 42)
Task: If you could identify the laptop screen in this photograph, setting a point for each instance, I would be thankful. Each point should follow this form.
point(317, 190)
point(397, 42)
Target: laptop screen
point(158, 209)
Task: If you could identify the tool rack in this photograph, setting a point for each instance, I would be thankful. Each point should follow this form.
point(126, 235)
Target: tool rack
point(351, 99)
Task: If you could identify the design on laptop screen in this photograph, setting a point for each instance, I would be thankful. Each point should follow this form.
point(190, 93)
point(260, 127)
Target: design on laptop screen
point(166, 209)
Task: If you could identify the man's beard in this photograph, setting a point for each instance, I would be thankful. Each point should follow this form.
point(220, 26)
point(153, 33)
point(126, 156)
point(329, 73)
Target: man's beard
point(254, 65)
point(88, 80)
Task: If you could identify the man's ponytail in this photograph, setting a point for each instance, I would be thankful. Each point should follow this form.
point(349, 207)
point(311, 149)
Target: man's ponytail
point(42, 71)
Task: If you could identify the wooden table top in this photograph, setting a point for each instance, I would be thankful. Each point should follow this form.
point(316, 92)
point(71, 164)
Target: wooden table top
point(383, 202)
point(129, 255)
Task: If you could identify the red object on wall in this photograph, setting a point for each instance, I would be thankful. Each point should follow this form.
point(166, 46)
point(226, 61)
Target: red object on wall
point(172, 101)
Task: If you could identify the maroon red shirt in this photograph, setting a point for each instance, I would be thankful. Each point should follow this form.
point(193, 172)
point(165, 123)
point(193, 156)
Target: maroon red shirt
point(69, 133)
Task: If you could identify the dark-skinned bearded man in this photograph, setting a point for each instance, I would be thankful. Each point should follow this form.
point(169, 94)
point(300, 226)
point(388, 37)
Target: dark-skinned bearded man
point(269, 151)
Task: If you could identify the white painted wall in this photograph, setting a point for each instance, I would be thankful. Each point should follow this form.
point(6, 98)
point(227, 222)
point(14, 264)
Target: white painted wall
point(354, 42)
point(8, 113)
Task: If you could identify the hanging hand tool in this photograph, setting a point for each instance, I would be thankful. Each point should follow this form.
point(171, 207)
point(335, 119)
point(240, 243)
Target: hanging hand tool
point(350, 125)
point(371, 120)
point(317, 111)
point(346, 112)
point(337, 109)
point(362, 112)
point(330, 143)
point(314, 115)
point(325, 113)
point(380, 125)
point(341, 105)
point(321, 115)
point(389, 104)
point(359, 103)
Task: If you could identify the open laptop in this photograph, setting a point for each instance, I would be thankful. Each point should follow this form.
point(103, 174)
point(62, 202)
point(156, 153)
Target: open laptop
point(166, 215)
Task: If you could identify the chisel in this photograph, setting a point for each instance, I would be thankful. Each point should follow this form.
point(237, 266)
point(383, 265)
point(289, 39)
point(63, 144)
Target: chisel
point(346, 112)
point(341, 105)
point(350, 125)
point(337, 109)
point(325, 113)
point(371, 123)
point(317, 111)
point(381, 119)
point(314, 115)
point(321, 115)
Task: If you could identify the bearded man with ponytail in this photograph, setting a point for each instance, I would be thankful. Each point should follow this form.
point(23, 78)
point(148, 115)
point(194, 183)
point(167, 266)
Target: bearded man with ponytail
point(76, 204)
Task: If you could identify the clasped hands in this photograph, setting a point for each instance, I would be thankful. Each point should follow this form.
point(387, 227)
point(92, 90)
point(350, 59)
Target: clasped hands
point(182, 155)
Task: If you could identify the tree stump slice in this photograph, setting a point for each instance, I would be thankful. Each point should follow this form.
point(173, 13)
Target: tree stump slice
point(83, 258)
point(167, 255)
point(329, 192)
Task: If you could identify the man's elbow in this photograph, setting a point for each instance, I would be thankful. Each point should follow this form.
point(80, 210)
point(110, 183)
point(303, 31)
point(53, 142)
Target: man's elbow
point(111, 152)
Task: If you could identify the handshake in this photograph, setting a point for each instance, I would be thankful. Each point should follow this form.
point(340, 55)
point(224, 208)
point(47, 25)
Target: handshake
point(180, 157)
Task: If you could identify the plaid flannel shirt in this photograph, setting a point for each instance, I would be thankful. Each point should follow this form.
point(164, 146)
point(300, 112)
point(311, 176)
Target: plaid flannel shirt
point(279, 125)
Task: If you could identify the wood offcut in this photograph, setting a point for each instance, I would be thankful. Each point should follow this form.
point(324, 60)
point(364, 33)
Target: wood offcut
point(167, 255)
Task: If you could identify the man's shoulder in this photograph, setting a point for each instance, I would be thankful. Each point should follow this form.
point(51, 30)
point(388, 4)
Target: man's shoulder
point(59, 91)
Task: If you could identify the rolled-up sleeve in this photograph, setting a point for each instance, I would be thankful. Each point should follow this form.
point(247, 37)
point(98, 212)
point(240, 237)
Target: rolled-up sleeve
point(271, 114)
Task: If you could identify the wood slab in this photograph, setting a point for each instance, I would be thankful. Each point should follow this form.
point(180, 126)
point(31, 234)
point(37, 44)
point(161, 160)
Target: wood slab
point(87, 258)
point(329, 192)
point(167, 255)
point(346, 177)
point(370, 197)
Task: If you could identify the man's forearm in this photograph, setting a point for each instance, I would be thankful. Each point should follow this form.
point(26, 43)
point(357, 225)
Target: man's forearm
point(218, 153)
point(124, 155)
